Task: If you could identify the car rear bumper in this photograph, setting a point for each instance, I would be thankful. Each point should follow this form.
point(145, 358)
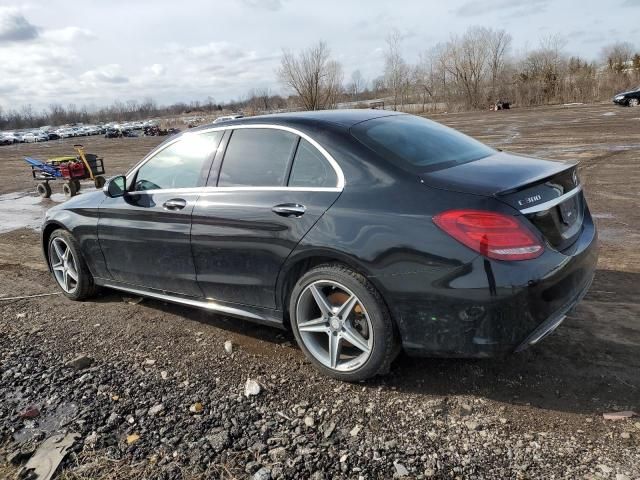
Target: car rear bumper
point(491, 308)
point(554, 321)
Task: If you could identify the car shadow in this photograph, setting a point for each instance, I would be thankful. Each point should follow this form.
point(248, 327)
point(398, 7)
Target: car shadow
point(589, 365)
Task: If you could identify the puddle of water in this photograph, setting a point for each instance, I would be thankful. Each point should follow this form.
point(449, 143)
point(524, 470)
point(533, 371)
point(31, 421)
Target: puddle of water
point(609, 114)
point(24, 210)
point(603, 215)
point(49, 424)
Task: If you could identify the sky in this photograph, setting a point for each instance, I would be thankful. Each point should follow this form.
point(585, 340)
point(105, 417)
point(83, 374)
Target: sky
point(94, 52)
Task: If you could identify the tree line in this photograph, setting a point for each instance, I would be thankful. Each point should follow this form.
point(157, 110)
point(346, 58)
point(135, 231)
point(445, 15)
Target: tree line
point(469, 71)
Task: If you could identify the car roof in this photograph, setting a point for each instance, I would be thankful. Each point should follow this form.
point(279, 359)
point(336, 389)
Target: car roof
point(345, 118)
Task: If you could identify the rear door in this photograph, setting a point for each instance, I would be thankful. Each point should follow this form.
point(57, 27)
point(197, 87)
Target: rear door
point(145, 235)
point(273, 186)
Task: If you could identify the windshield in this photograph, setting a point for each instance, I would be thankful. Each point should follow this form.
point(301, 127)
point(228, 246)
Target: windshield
point(418, 144)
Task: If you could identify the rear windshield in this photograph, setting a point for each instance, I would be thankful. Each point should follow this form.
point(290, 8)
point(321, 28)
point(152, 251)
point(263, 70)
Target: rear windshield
point(418, 143)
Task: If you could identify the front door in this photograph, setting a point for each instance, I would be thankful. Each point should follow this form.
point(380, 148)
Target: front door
point(273, 187)
point(145, 235)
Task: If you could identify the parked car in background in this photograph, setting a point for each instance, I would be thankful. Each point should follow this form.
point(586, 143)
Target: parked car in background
point(364, 231)
point(630, 98)
point(112, 133)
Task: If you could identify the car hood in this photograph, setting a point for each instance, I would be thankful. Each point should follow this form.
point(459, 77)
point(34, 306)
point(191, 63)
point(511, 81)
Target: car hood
point(495, 174)
point(626, 93)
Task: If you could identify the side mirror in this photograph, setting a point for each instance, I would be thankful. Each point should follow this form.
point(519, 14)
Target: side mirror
point(115, 186)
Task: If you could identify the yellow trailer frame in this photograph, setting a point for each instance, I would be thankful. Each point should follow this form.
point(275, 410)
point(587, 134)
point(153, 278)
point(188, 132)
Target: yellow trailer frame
point(80, 149)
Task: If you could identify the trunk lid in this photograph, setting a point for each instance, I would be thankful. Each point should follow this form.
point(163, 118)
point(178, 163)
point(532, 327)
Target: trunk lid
point(548, 193)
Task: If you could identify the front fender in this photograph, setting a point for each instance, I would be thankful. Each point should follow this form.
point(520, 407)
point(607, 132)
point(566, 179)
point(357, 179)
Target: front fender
point(79, 216)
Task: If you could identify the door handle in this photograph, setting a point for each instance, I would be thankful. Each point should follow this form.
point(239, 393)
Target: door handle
point(289, 210)
point(175, 204)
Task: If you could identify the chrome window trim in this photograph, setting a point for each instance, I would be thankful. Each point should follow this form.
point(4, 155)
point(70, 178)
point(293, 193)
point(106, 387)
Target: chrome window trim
point(339, 173)
point(552, 203)
point(212, 190)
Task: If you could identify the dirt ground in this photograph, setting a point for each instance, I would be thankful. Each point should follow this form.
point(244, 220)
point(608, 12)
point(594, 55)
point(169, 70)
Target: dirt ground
point(552, 395)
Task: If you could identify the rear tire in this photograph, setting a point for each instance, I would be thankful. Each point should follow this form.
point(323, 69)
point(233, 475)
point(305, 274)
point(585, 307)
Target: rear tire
point(353, 345)
point(69, 188)
point(83, 286)
point(44, 189)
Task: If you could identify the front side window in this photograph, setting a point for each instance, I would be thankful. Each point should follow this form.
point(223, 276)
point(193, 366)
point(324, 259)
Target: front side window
point(311, 168)
point(418, 144)
point(257, 157)
point(180, 165)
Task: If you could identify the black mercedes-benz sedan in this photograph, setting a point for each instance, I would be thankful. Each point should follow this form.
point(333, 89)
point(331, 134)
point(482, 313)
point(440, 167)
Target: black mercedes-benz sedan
point(630, 98)
point(366, 232)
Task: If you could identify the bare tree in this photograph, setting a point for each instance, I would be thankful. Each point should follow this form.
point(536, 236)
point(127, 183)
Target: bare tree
point(467, 60)
point(426, 75)
point(357, 85)
point(396, 70)
point(313, 75)
point(499, 42)
point(542, 72)
point(617, 56)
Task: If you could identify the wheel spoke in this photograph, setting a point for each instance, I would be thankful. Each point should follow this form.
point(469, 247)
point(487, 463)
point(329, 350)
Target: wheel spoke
point(334, 349)
point(58, 266)
point(354, 337)
point(321, 300)
point(66, 254)
point(65, 279)
point(71, 272)
point(346, 307)
point(59, 252)
point(316, 325)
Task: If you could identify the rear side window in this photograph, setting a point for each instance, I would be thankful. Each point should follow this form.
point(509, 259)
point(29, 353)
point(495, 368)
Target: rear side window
point(311, 168)
point(417, 143)
point(180, 165)
point(257, 157)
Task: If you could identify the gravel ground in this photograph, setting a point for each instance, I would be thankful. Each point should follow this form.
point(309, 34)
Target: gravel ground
point(153, 393)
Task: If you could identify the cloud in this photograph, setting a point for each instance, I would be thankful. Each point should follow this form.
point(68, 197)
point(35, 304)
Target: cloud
point(474, 8)
point(217, 50)
point(157, 69)
point(271, 5)
point(630, 3)
point(68, 34)
point(14, 27)
point(111, 73)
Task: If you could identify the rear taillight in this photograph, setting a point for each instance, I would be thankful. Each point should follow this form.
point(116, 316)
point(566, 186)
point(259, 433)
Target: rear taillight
point(491, 234)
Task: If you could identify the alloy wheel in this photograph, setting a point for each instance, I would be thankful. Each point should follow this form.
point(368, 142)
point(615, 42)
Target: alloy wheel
point(334, 325)
point(64, 265)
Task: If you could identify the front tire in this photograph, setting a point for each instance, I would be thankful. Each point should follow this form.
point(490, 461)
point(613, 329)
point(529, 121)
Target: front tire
point(44, 189)
point(633, 102)
point(68, 267)
point(342, 324)
point(69, 189)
